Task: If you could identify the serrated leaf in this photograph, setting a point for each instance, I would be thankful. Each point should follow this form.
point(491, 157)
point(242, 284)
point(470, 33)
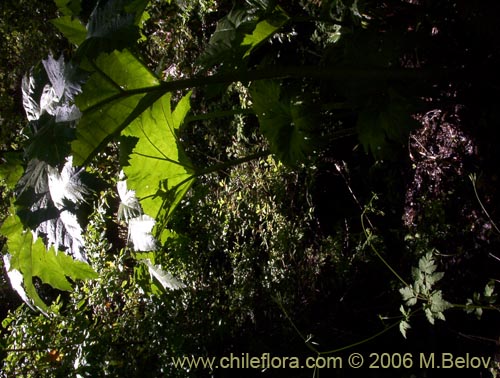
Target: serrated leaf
point(11, 169)
point(129, 204)
point(225, 44)
point(417, 275)
point(59, 75)
point(53, 267)
point(438, 302)
point(138, 7)
point(403, 311)
point(284, 122)
point(55, 134)
point(429, 315)
point(33, 182)
point(159, 170)
point(113, 25)
point(30, 102)
point(19, 245)
point(489, 289)
point(403, 327)
point(47, 201)
point(439, 315)
point(139, 231)
point(239, 33)
point(71, 28)
point(385, 120)
point(407, 293)
point(69, 7)
point(106, 103)
point(263, 30)
point(434, 278)
point(426, 264)
point(66, 186)
point(168, 281)
point(113, 75)
point(32, 259)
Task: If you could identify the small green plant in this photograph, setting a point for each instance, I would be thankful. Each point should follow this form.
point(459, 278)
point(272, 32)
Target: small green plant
point(480, 301)
point(422, 289)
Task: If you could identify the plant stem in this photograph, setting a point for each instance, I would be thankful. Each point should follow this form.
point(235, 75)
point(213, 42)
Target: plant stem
point(365, 231)
point(277, 72)
point(473, 180)
point(473, 307)
point(361, 341)
point(314, 72)
point(306, 341)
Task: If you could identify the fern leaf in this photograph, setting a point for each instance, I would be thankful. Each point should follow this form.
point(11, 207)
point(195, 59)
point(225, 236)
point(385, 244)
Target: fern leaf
point(168, 281)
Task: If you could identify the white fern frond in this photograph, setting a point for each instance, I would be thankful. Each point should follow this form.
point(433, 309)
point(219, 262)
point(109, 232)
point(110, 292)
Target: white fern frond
point(66, 186)
point(139, 233)
point(31, 106)
point(16, 281)
point(49, 100)
point(167, 280)
point(129, 204)
point(55, 72)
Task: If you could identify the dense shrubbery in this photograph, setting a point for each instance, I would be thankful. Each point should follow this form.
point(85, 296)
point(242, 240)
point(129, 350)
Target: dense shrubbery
point(310, 195)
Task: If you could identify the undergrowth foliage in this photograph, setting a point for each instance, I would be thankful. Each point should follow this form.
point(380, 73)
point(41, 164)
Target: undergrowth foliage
point(284, 188)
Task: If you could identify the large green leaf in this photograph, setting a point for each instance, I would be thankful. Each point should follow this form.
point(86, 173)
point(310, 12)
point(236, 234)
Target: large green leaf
point(107, 103)
point(69, 7)
point(113, 25)
point(238, 34)
point(285, 122)
point(53, 267)
point(264, 29)
point(384, 121)
point(11, 169)
point(225, 44)
point(32, 259)
point(71, 28)
point(159, 171)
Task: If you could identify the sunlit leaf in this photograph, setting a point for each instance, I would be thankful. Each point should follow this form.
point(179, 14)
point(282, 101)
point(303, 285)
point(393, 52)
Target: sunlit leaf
point(66, 186)
point(168, 281)
point(140, 233)
point(30, 102)
point(238, 34)
point(225, 44)
point(32, 259)
point(159, 171)
point(129, 204)
point(48, 201)
point(106, 103)
point(263, 30)
point(53, 267)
